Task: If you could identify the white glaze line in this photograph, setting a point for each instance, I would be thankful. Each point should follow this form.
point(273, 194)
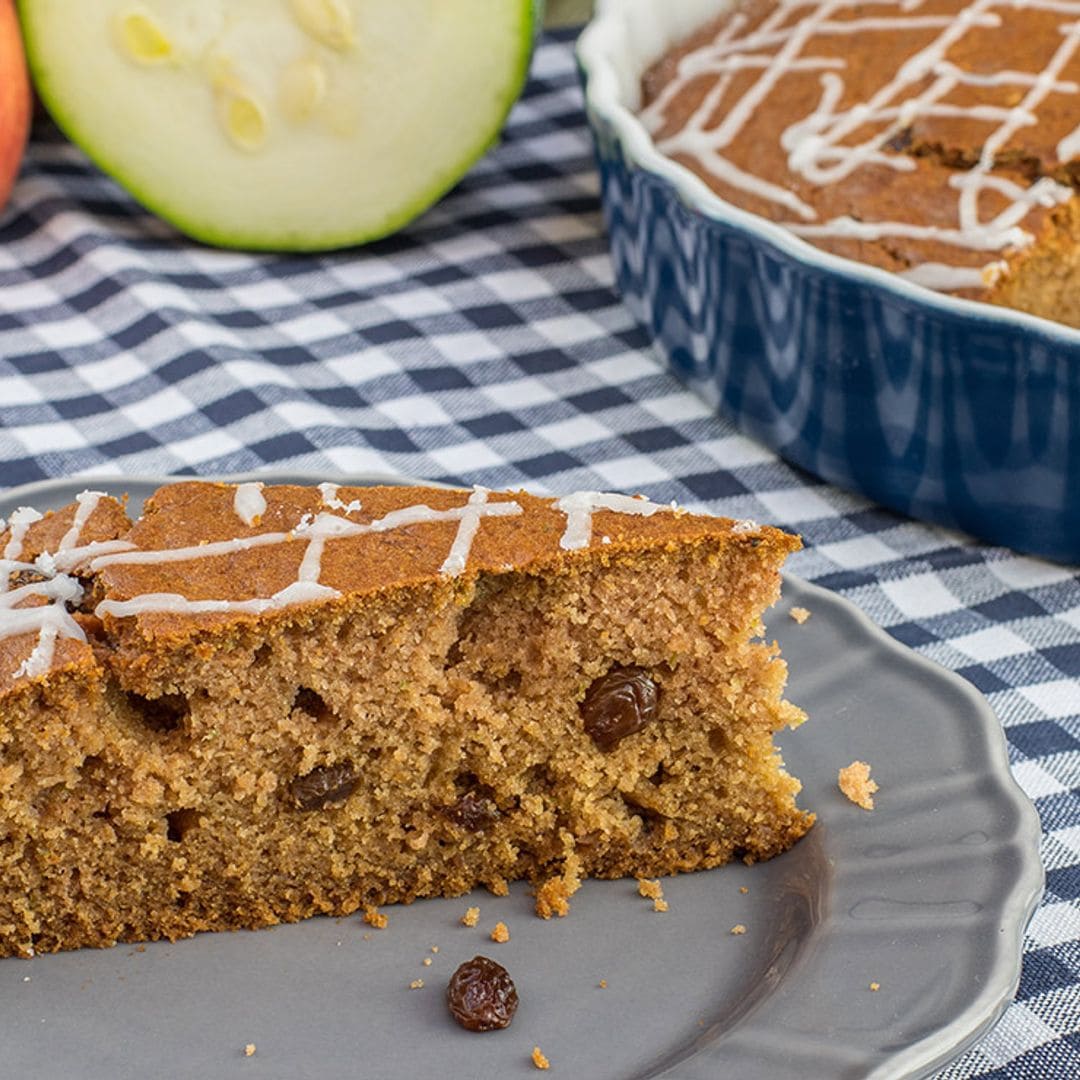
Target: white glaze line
point(19, 523)
point(934, 275)
point(196, 551)
point(579, 509)
point(329, 494)
point(53, 619)
point(1069, 147)
point(316, 531)
point(455, 562)
point(818, 147)
point(86, 503)
point(249, 503)
point(52, 622)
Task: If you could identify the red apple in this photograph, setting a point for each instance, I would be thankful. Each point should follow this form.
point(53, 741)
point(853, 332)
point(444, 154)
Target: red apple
point(15, 100)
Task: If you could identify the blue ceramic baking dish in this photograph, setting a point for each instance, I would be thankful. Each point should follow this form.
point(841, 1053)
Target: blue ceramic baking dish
point(949, 410)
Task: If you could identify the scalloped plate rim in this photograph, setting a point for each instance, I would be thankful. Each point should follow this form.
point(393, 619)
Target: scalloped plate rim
point(905, 1063)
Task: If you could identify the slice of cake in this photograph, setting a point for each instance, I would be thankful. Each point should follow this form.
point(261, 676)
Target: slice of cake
point(938, 139)
point(258, 703)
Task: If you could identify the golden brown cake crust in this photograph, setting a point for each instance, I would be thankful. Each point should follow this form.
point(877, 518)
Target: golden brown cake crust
point(193, 514)
point(933, 139)
point(388, 695)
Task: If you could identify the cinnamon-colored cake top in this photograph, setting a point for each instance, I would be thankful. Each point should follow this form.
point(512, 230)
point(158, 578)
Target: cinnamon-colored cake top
point(930, 137)
point(205, 556)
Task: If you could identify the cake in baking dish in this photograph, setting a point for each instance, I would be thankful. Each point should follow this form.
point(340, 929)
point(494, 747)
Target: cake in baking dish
point(938, 139)
point(256, 704)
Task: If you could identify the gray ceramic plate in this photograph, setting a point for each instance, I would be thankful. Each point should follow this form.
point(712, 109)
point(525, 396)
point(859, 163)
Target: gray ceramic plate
point(927, 896)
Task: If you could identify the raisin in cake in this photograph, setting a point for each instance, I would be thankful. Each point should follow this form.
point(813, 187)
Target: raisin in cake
point(256, 704)
point(938, 139)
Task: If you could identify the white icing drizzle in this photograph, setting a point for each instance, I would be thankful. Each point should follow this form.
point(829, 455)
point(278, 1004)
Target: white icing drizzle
point(1069, 147)
point(52, 622)
point(48, 563)
point(935, 275)
point(306, 588)
point(579, 509)
point(85, 504)
point(60, 588)
point(329, 493)
point(249, 503)
point(815, 145)
point(197, 551)
point(12, 566)
point(467, 527)
point(20, 522)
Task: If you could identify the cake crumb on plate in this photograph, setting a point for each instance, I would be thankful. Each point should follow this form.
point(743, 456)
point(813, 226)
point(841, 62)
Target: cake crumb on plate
point(501, 933)
point(651, 890)
point(875, 986)
point(471, 917)
point(374, 917)
point(539, 1060)
point(800, 614)
point(855, 783)
point(249, 1050)
point(737, 929)
point(416, 984)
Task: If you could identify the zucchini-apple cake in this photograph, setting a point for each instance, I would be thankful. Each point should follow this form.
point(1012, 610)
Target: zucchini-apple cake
point(937, 139)
point(258, 703)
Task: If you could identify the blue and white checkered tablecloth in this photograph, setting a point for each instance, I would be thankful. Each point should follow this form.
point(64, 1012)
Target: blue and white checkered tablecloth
point(486, 344)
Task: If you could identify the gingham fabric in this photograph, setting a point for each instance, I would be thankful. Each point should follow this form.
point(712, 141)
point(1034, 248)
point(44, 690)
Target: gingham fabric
point(485, 344)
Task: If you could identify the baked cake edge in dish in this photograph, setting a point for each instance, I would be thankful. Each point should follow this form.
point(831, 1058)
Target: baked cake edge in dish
point(892, 134)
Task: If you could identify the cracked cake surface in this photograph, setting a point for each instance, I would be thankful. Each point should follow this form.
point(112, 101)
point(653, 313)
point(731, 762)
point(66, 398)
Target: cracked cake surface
point(258, 703)
point(937, 139)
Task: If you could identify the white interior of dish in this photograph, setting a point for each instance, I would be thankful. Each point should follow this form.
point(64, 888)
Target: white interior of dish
point(624, 38)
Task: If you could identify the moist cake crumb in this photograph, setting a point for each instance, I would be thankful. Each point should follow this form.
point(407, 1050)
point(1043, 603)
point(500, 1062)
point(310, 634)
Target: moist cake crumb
point(603, 984)
point(416, 984)
point(249, 1050)
point(660, 904)
point(427, 961)
point(875, 986)
point(501, 933)
point(743, 889)
point(471, 916)
point(855, 783)
point(374, 917)
point(799, 614)
point(539, 1060)
point(552, 898)
point(651, 890)
point(737, 929)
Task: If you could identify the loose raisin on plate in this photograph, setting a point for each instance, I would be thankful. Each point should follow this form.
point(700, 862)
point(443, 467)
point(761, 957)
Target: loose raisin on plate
point(618, 704)
point(325, 784)
point(481, 995)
